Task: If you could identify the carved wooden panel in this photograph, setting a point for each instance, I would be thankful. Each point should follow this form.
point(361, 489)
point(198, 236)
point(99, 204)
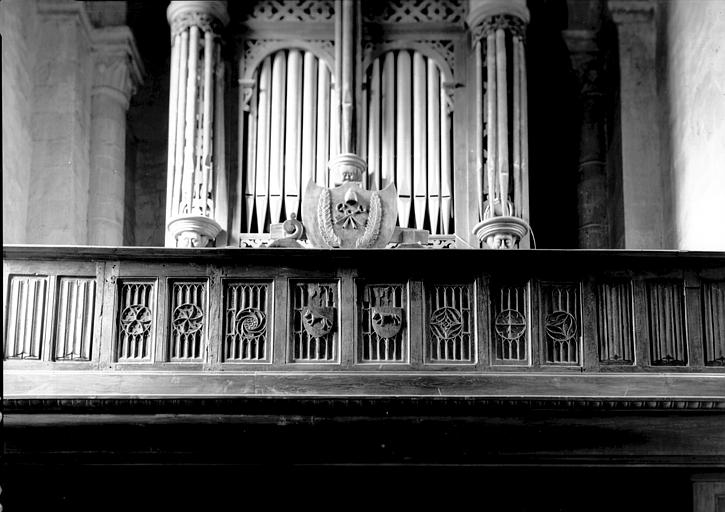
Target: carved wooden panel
point(247, 326)
point(615, 325)
point(666, 318)
point(450, 324)
point(136, 319)
point(510, 324)
point(713, 304)
point(561, 306)
point(314, 322)
point(284, 10)
point(74, 318)
point(383, 311)
point(187, 320)
point(25, 321)
point(415, 11)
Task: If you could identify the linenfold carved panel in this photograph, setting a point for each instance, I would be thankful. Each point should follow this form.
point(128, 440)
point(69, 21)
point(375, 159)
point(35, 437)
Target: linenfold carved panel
point(187, 320)
point(382, 324)
point(74, 318)
point(450, 324)
point(27, 298)
point(615, 325)
point(510, 324)
point(667, 333)
point(560, 306)
point(137, 311)
point(284, 10)
point(314, 322)
point(415, 11)
point(713, 303)
point(246, 322)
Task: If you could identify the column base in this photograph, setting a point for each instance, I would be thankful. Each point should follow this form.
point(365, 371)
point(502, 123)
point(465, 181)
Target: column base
point(501, 232)
point(193, 230)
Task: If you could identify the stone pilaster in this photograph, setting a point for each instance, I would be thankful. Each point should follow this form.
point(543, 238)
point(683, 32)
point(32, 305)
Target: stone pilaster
point(643, 176)
point(58, 196)
point(588, 65)
point(117, 72)
point(195, 205)
point(498, 30)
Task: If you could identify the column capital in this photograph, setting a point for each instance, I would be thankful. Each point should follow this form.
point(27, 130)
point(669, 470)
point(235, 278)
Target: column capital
point(587, 59)
point(118, 69)
point(68, 10)
point(487, 15)
point(479, 10)
point(208, 16)
point(632, 11)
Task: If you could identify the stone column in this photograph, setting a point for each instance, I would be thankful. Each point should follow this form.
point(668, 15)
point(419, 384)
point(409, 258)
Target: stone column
point(117, 72)
point(498, 29)
point(588, 64)
point(196, 133)
point(643, 177)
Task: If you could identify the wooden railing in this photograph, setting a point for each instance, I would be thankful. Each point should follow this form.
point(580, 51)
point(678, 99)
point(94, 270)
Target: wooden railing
point(94, 322)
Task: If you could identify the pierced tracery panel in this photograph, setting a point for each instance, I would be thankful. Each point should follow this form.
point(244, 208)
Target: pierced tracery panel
point(667, 332)
point(25, 321)
point(450, 325)
point(713, 303)
point(284, 10)
point(314, 322)
point(382, 319)
point(561, 305)
point(137, 310)
point(246, 322)
point(415, 11)
point(74, 318)
point(187, 320)
point(510, 324)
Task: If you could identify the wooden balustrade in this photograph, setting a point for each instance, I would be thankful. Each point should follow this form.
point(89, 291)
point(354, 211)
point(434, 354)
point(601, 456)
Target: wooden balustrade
point(137, 321)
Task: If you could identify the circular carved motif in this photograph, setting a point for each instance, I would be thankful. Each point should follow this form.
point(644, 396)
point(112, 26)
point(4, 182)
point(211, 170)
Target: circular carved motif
point(446, 323)
point(251, 323)
point(560, 326)
point(136, 320)
point(510, 324)
point(187, 318)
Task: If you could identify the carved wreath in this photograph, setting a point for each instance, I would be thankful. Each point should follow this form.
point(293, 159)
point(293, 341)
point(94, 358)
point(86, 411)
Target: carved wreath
point(324, 220)
point(372, 227)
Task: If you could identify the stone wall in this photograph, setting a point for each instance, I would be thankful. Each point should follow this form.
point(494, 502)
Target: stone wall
point(18, 25)
point(61, 126)
point(695, 86)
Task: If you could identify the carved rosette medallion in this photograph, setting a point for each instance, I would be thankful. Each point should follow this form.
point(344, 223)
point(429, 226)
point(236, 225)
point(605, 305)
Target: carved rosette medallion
point(187, 319)
point(560, 326)
point(251, 323)
point(387, 321)
point(347, 215)
point(510, 324)
point(446, 323)
point(136, 320)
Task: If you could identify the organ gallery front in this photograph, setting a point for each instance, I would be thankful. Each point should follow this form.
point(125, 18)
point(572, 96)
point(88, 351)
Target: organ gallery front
point(320, 311)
